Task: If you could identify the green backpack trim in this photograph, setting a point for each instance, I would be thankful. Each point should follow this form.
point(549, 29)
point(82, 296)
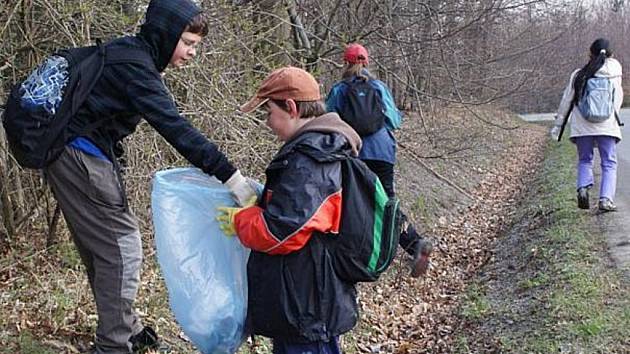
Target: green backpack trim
point(380, 200)
point(393, 241)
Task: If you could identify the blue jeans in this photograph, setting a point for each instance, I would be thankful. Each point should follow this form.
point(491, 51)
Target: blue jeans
point(283, 347)
point(607, 146)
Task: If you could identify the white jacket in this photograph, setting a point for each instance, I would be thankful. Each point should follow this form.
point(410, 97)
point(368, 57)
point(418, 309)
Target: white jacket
point(580, 126)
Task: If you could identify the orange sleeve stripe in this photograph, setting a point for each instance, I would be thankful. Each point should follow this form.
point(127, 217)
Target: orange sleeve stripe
point(254, 233)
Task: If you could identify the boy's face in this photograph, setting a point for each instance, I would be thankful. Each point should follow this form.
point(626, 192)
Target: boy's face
point(185, 50)
point(284, 124)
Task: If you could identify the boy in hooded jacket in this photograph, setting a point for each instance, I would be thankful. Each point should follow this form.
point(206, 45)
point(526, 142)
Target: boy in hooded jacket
point(295, 296)
point(86, 179)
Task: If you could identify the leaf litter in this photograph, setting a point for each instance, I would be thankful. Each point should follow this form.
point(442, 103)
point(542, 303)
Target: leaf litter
point(47, 295)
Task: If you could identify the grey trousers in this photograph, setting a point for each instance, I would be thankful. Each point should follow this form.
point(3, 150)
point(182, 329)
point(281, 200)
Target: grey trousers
point(106, 235)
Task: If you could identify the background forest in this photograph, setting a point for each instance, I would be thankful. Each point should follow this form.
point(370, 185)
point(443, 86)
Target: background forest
point(515, 54)
point(480, 57)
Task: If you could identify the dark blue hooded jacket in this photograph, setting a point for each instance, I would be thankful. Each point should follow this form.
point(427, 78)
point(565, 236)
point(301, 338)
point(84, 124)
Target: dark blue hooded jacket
point(294, 293)
point(128, 92)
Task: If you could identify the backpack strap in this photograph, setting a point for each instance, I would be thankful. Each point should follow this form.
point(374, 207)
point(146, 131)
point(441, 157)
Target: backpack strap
point(616, 113)
point(122, 55)
point(565, 120)
point(101, 47)
point(618, 119)
point(117, 55)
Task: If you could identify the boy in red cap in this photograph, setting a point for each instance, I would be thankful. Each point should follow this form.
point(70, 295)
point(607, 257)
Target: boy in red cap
point(367, 105)
point(295, 296)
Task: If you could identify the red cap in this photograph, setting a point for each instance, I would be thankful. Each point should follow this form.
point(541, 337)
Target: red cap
point(356, 54)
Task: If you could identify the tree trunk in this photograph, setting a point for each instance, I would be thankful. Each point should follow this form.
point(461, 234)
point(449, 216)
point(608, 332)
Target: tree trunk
point(274, 30)
point(52, 227)
point(4, 235)
point(4, 240)
point(6, 211)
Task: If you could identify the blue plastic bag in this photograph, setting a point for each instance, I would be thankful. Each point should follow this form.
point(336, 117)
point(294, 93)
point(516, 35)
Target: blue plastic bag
point(205, 271)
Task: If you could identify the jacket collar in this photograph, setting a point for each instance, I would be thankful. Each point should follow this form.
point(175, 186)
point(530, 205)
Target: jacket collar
point(325, 138)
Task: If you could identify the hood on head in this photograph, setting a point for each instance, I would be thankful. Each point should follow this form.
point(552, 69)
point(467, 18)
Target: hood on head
point(611, 68)
point(164, 24)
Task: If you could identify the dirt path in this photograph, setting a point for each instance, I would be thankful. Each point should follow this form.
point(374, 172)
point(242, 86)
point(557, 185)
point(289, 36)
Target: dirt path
point(616, 226)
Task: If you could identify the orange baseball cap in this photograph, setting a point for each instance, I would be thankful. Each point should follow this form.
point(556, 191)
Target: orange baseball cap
point(356, 54)
point(282, 84)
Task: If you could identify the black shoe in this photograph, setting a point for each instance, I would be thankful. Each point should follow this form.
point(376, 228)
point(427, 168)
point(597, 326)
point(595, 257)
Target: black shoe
point(421, 258)
point(146, 340)
point(582, 197)
point(606, 205)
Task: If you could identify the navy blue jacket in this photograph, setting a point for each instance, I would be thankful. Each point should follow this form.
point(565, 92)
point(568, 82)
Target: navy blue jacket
point(128, 92)
point(294, 292)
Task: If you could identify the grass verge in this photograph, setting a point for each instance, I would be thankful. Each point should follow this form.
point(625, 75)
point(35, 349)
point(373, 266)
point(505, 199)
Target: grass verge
point(552, 287)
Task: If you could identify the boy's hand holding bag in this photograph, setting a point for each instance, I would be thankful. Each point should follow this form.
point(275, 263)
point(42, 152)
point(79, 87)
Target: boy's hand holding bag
point(225, 216)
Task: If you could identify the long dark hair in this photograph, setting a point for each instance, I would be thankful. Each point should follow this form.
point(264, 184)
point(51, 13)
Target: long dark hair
point(600, 50)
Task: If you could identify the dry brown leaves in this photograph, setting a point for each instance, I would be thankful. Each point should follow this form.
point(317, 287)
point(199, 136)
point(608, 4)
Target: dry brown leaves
point(49, 297)
point(404, 315)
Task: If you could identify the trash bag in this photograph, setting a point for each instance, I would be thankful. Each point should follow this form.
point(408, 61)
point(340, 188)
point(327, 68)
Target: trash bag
point(205, 271)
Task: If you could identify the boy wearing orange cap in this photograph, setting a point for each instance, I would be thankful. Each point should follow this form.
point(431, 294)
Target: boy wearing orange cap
point(295, 296)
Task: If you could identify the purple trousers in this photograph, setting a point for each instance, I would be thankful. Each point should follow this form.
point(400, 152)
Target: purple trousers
point(607, 146)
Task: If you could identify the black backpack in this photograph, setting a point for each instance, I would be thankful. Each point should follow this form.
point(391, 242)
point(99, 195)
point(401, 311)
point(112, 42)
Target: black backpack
point(37, 133)
point(362, 108)
point(370, 225)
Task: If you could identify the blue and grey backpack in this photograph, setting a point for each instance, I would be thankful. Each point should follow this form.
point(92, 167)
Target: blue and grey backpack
point(39, 109)
point(597, 102)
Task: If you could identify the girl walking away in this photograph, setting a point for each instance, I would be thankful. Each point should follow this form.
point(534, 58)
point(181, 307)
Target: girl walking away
point(366, 104)
point(591, 102)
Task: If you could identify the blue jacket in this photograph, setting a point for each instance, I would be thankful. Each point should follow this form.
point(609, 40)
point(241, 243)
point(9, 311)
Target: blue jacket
point(381, 145)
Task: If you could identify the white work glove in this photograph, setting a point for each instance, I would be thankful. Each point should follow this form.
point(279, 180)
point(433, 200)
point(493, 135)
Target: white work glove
point(554, 132)
point(242, 189)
